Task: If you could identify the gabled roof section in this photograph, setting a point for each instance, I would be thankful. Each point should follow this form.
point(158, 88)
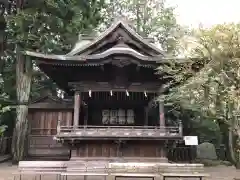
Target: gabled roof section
point(83, 47)
point(51, 102)
point(117, 41)
point(51, 99)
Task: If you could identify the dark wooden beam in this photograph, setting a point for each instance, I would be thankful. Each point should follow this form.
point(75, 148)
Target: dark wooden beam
point(106, 86)
point(45, 105)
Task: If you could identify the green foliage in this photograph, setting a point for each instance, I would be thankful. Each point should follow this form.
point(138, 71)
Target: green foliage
point(194, 123)
point(52, 25)
point(150, 18)
point(3, 110)
point(208, 131)
point(214, 91)
point(2, 129)
point(46, 26)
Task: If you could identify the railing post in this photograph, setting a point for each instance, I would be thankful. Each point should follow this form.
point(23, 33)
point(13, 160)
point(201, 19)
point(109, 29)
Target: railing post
point(146, 109)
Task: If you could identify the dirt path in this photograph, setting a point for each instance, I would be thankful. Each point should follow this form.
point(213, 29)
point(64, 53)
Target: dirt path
point(222, 173)
point(6, 171)
point(216, 173)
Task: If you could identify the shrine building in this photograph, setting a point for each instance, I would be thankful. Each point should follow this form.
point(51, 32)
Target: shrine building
point(111, 85)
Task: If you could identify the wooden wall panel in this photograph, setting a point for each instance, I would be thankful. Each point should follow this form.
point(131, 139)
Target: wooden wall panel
point(42, 128)
point(96, 149)
point(108, 149)
point(81, 151)
point(113, 150)
point(105, 150)
point(99, 151)
point(136, 150)
point(90, 150)
point(46, 146)
point(145, 149)
point(45, 122)
point(130, 149)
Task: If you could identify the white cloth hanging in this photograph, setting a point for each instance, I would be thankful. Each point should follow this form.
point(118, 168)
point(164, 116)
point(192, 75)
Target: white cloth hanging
point(130, 116)
point(113, 116)
point(121, 116)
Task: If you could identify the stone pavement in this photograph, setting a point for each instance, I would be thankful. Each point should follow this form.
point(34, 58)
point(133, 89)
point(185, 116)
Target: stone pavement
point(217, 173)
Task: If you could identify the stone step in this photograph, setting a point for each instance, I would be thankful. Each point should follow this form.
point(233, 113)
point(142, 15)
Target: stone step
point(118, 167)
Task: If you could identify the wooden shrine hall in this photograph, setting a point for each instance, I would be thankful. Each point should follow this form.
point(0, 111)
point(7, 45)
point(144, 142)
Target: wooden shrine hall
point(112, 84)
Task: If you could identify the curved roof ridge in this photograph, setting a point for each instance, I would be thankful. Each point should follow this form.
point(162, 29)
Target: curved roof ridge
point(119, 49)
point(109, 52)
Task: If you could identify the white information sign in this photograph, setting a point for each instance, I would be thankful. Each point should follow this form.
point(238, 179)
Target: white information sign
point(191, 140)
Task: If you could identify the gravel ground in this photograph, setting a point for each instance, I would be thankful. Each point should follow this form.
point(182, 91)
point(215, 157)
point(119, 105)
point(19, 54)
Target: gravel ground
point(216, 173)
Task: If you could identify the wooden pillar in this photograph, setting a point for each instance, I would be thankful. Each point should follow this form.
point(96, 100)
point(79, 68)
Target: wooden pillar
point(86, 115)
point(58, 126)
point(77, 100)
point(163, 150)
point(146, 109)
point(180, 128)
point(161, 114)
point(119, 148)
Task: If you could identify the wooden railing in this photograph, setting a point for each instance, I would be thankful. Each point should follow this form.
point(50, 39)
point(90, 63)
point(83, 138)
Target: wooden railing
point(181, 154)
point(118, 132)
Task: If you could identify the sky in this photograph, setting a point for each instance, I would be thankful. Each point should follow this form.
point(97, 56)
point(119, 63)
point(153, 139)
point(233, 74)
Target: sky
point(206, 12)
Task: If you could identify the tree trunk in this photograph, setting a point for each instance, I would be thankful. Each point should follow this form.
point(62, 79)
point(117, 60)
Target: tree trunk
point(23, 87)
point(19, 140)
point(230, 145)
point(138, 15)
point(238, 150)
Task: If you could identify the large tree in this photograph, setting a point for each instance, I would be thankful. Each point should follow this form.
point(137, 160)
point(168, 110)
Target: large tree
point(46, 26)
point(214, 91)
point(150, 18)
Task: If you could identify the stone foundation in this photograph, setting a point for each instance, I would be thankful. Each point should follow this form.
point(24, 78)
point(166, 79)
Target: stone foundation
point(132, 167)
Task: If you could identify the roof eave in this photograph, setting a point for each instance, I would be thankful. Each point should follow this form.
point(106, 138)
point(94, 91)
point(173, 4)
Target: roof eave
point(88, 59)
